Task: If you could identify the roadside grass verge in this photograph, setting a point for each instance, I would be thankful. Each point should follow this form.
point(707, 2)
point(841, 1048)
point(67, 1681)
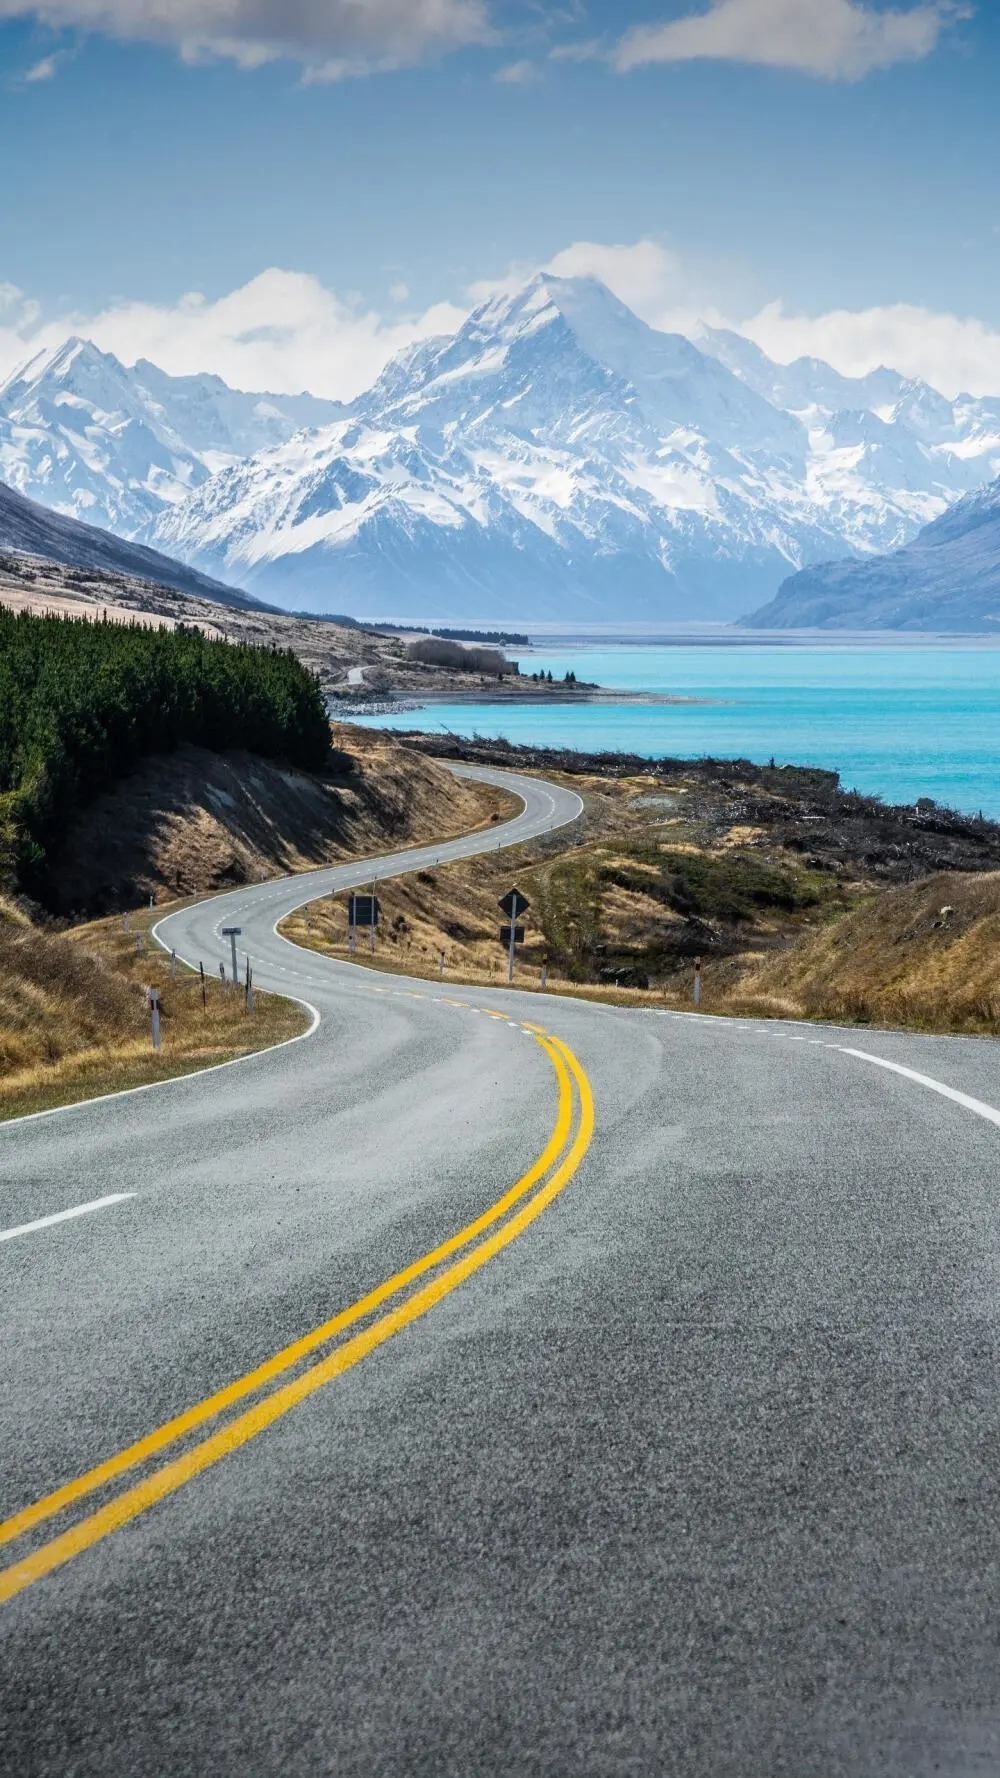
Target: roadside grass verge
point(74, 1021)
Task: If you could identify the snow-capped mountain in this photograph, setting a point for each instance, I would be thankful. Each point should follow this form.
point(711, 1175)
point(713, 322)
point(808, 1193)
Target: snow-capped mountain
point(947, 579)
point(558, 458)
point(113, 446)
point(555, 458)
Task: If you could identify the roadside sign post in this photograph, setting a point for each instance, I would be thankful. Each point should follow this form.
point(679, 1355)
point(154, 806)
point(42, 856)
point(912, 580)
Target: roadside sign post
point(512, 904)
point(362, 910)
point(154, 1007)
point(233, 933)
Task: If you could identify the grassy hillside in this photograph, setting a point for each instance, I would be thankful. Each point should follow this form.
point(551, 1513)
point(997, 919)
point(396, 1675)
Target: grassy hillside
point(81, 703)
point(74, 1020)
point(927, 955)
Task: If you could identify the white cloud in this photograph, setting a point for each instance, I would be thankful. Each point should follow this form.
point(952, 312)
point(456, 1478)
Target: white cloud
point(833, 39)
point(331, 37)
point(517, 74)
point(284, 331)
point(952, 353)
point(667, 291)
point(46, 69)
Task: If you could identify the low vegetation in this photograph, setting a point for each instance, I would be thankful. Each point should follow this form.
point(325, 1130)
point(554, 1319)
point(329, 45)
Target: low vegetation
point(74, 1018)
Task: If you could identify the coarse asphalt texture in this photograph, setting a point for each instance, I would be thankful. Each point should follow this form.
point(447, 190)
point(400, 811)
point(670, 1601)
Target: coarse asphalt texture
point(696, 1474)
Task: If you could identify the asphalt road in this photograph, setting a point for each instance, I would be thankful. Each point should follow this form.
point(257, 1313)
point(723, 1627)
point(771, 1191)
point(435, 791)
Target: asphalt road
point(396, 1416)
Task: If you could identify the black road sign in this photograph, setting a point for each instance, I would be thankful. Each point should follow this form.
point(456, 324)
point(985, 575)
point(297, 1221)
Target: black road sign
point(518, 935)
point(364, 910)
point(514, 903)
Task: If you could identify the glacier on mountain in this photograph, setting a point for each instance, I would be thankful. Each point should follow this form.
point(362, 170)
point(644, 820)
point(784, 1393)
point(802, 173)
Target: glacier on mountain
point(556, 458)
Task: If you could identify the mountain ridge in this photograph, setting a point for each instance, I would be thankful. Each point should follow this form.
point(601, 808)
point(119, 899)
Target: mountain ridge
point(554, 458)
point(947, 579)
point(30, 529)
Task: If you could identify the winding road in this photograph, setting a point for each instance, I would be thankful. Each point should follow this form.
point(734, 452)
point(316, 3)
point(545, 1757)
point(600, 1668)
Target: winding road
point(493, 1383)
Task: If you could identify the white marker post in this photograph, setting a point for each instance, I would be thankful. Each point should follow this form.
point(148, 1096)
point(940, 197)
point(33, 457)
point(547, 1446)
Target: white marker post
point(173, 965)
point(545, 977)
point(697, 981)
point(154, 1007)
point(233, 933)
point(138, 943)
point(371, 929)
point(441, 966)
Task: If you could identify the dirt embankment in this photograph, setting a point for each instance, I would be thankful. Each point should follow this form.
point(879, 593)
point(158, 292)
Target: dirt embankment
point(195, 821)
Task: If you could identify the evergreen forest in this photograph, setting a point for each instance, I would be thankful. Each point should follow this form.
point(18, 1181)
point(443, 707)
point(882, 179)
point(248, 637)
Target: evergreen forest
point(81, 702)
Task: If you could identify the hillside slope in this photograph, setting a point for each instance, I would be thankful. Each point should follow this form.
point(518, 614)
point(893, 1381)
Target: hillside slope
point(947, 579)
point(32, 530)
point(926, 954)
point(197, 821)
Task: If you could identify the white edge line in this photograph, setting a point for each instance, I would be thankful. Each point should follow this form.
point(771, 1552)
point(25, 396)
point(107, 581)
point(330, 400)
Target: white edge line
point(46, 1222)
point(978, 1106)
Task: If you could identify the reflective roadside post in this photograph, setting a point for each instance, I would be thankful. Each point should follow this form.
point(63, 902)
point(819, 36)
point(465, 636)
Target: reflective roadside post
point(233, 933)
point(697, 981)
point(154, 1008)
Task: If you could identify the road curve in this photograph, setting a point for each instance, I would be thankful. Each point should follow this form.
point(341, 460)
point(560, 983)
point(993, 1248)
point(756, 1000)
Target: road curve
point(497, 1383)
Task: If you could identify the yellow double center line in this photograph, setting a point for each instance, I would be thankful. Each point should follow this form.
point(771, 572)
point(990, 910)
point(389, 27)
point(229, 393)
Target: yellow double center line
point(482, 1239)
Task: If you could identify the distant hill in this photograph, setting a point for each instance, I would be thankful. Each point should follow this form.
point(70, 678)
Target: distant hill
point(28, 529)
point(947, 579)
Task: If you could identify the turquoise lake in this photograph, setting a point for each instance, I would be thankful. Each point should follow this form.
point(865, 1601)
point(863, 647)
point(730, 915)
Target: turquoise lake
point(897, 721)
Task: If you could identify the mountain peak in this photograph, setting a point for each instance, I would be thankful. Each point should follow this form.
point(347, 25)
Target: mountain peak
point(58, 363)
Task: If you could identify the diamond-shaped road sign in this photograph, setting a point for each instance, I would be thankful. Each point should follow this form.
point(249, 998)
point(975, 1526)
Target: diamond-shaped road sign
point(514, 903)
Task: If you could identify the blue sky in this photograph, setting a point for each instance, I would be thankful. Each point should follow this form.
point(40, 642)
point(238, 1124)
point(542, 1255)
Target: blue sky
point(822, 171)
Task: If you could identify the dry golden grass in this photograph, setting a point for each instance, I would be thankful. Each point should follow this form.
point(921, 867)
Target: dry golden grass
point(926, 956)
point(74, 1021)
